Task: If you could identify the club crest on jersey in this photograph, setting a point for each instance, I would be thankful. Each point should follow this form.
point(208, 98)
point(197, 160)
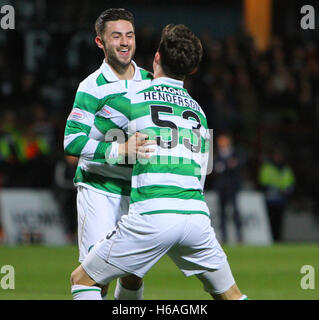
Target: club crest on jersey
point(76, 115)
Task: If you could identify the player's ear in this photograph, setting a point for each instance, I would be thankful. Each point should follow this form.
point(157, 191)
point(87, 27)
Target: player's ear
point(155, 64)
point(157, 57)
point(156, 60)
point(99, 42)
point(194, 70)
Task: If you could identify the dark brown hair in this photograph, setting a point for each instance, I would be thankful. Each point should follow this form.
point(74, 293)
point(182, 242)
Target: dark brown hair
point(112, 14)
point(180, 50)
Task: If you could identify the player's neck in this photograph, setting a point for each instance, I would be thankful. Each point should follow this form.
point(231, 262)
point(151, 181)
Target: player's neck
point(158, 73)
point(126, 73)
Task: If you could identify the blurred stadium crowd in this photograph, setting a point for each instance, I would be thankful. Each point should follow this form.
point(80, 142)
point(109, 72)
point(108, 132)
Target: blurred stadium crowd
point(263, 99)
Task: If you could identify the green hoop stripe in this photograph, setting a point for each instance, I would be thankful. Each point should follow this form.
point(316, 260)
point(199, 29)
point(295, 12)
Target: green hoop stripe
point(112, 185)
point(175, 211)
point(82, 290)
point(164, 191)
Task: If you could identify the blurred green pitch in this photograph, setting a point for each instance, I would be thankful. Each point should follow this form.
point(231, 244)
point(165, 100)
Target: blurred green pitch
point(268, 273)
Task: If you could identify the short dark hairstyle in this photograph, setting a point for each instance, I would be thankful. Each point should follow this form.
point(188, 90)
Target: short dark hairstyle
point(180, 50)
point(112, 14)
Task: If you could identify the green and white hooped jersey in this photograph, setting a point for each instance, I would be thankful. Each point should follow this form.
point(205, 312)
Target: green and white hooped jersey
point(172, 179)
point(86, 126)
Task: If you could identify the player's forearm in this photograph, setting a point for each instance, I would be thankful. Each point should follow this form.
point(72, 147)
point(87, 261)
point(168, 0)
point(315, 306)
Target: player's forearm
point(85, 147)
point(78, 143)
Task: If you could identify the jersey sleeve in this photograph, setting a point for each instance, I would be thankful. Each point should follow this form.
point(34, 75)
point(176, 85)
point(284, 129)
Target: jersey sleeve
point(78, 126)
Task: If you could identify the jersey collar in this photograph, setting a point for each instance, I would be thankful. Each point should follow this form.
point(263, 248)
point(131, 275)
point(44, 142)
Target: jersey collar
point(168, 81)
point(111, 77)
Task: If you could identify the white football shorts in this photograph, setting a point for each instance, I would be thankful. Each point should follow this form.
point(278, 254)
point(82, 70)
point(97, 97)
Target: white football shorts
point(140, 241)
point(98, 214)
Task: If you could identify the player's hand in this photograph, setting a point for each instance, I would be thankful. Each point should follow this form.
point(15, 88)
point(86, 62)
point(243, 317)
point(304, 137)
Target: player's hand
point(142, 146)
point(144, 151)
point(137, 146)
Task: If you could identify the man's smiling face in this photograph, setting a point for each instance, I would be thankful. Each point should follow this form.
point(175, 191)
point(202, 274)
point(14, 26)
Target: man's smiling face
point(119, 43)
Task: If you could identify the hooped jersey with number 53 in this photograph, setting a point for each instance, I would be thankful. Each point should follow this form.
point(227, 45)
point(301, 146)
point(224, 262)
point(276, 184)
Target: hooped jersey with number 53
point(172, 179)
